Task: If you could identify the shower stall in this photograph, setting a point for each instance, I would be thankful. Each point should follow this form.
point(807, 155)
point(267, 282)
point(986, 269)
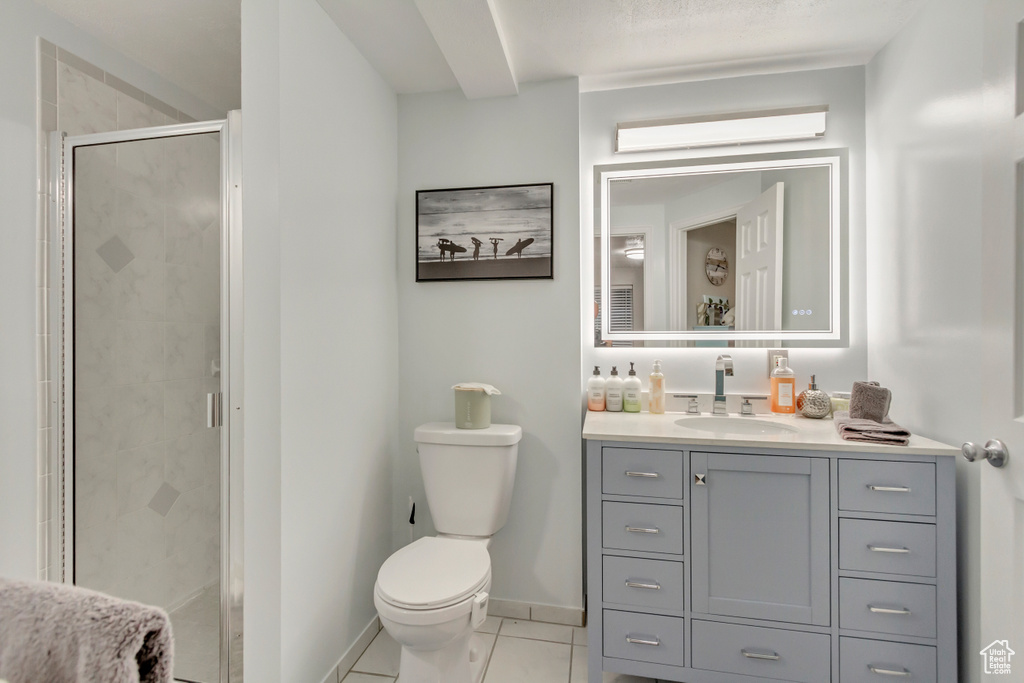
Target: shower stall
point(146, 314)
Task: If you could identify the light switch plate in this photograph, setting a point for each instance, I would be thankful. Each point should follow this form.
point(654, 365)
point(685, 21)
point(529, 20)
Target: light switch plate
point(773, 354)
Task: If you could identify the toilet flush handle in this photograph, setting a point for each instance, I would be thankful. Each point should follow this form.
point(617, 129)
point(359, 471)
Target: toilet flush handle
point(479, 609)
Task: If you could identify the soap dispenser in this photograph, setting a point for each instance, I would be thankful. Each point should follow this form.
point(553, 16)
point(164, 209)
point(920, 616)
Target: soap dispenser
point(656, 402)
point(595, 391)
point(631, 389)
point(613, 392)
point(783, 388)
point(812, 402)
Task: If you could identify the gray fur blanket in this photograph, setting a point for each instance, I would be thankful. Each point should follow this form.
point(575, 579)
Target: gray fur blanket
point(55, 633)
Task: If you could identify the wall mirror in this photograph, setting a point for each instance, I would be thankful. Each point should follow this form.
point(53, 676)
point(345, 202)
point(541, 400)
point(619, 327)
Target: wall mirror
point(732, 251)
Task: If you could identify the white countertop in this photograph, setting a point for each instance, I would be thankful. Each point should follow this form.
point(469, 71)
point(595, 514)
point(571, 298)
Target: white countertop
point(810, 434)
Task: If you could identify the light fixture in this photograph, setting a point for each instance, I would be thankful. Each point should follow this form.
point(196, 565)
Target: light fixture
point(738, 128)
point(635, 248)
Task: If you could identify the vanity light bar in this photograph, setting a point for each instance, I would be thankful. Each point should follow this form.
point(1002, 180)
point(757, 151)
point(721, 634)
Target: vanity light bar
point(797, 123)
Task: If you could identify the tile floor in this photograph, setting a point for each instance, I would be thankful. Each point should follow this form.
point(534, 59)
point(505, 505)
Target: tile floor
point(519, 651)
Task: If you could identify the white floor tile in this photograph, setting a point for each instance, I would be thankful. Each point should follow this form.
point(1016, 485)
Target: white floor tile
point(579, 665)
point(367, 678)
point(555, 633)
point(579, 636)
point(381, 657)
point(516, 660)
point(490, 625)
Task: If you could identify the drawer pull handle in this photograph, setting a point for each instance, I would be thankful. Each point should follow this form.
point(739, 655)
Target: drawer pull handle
point(642, 530)
point(637, 584)
point(887, 549)
point(889, 610)
point(889, 489)
point(642, 641)
point(751, 654)
point(887, 672)
point(646, 475)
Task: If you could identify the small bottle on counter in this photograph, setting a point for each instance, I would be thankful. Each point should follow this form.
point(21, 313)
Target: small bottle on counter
point(595, 391)
point(631, 390)
point(613, 392)
point(783, 388)
point(656, 404)
point(812, 402)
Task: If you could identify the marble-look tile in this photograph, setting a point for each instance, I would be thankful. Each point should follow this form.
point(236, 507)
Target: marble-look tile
point(140, 474)
point(381, 657)
point(491, 625)
point(115, 253)
point(139, 415)
point(184, 407)
point(142, 290)
point(517, 659)
point(184, 350)
point(95, 496)
point(95, 430)
point(141, 169)
point(86, 105)
point(95, 345)
point(133, 113)
point(140, 223)
point(190, 568)
point(97, 290)
point(183, 239)
point(149, 586)
point(186, 289)
point(140, 352)
point(190, 523)
point(96, 556)
point(196, 626)
point(211, 361)
point(193, 460)
point(140, 542)
point(193, 176)
point(536, 630)
point(163, 499)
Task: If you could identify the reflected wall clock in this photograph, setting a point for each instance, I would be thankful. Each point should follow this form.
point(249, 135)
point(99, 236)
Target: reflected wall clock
point(716, 265)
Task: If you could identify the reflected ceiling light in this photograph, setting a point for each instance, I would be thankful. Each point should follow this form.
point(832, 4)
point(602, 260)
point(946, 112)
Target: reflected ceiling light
point(798, 123)
point(635, 248)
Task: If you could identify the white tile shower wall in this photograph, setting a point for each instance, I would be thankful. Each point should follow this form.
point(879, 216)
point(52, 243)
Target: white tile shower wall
point(148, 215)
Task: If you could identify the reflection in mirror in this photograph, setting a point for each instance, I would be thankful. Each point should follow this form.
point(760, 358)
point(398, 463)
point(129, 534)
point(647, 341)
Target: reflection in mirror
point(738, 253)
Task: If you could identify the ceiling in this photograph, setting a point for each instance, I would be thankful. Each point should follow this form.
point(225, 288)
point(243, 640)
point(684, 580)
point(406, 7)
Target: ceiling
point(488, 47)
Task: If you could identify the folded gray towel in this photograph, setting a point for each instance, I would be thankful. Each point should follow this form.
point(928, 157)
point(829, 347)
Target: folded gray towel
point(885, 432)
point(64, 634)
point(868, 401)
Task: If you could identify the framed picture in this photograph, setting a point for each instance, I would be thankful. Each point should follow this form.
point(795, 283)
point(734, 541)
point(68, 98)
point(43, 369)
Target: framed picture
point(485, 233)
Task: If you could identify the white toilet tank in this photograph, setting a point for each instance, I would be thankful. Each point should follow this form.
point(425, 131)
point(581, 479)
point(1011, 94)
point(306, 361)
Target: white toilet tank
point(468, 475)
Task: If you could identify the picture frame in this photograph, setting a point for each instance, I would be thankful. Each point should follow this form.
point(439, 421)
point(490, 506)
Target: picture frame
point(496, 232)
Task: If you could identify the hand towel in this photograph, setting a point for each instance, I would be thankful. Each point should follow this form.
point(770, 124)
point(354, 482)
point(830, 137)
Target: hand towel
point(868, 401)
point(65, 634)
point(885, 432)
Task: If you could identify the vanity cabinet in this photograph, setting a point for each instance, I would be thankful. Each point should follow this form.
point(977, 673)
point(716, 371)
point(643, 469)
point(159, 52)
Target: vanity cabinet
point(712, 562)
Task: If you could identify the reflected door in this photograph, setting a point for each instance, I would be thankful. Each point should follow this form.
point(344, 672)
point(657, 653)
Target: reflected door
point(146, 347)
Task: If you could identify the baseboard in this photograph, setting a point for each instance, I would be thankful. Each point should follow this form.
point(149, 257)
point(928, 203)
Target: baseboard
point(351, 656)
point(552, 614)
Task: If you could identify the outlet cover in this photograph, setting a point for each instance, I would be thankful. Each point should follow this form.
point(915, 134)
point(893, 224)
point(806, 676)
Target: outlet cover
point(776, 353)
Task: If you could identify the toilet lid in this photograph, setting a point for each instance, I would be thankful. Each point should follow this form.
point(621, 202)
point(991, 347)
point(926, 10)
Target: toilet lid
point(434, 572)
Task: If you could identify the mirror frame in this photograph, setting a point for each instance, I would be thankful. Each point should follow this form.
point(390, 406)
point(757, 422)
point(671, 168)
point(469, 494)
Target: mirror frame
point(837, 162)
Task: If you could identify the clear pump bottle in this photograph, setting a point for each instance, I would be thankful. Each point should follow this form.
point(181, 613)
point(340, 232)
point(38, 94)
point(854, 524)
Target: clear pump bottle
point(595, 391)
point(656, 403)
point(783, 388)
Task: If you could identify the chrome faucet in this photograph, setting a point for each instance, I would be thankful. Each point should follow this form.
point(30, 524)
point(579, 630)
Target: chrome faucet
point(723, 369)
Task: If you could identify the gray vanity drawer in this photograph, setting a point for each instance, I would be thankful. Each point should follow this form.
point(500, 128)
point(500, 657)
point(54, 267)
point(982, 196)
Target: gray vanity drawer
point(642, 472)
point(876, 486)
point(888, 547)
point(650, 528)
point(762, 652)
point(871, 661)
point(643, 583)
point(887, 607)
point(643, 637)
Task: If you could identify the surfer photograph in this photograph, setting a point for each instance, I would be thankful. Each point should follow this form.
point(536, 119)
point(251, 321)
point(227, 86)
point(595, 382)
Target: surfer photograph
point(520, 215)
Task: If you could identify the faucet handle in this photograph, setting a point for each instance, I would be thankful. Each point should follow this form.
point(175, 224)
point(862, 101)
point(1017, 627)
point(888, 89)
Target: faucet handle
point(746, 408)
point(693, 407)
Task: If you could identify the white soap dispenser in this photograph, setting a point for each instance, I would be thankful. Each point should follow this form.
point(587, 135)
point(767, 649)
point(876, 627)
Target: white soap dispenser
point(595, 391)
point(631, 390)
point(613, 392)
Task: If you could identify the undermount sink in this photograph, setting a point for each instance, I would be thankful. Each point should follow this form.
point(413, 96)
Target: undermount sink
point(724, 425)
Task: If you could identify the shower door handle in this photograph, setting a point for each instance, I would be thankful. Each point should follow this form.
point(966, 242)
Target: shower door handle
point(214, 418)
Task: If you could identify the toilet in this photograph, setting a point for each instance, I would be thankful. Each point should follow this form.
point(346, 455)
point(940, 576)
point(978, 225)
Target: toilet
point(432, 594)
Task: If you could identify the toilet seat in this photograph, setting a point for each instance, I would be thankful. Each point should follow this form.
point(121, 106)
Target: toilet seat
point(433, 573)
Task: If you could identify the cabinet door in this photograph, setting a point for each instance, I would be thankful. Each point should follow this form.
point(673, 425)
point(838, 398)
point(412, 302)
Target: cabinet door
point(760, 537)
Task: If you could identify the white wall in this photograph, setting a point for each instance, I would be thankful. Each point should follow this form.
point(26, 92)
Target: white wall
point(320, 154)
point(521, 336)
point(842, 89)
point(925, 202)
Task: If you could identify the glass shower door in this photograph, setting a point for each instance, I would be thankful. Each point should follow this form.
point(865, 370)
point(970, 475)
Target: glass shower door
point(146, 346)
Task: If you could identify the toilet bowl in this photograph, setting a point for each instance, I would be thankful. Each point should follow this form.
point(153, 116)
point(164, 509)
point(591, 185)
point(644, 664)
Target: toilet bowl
point(432, 594)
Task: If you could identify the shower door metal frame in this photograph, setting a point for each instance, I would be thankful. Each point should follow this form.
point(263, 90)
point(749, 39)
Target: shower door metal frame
point(61, 306)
